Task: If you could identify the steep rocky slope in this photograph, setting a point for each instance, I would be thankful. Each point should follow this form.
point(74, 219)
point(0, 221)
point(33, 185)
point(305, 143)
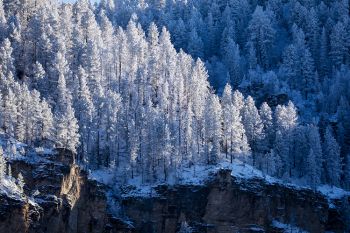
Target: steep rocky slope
point(228, 204)
point(67, 201)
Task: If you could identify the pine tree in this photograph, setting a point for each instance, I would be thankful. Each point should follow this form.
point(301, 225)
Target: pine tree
point(333, 163)
point(262, 36)
point(265, 113)
point(286, 121)
point(113, 107)
point(85, 110)
point(338, 44)
point(239, 143)
point(233, 62)
point(20, 182)
point(10, 113)
point(167, 151)
point(66, 124)
point(238, 100)
point(234, 138)
point(73, 129)
point(314, 167)
point(253, 126)
point(134, 147)
point(179, 35)
point(226, 102)
point(324, 59)
point(6, 62)
point(286, 117)
point(38, 77)
point(241, 11)
point(195, 44)
point(213, 134)
point(309, 81)
point(47, 121)
point(2, 164)
point(3, 21)
point(312, 174)
point(313, 33)
point(272, 163)
point(9, 171)
point(343, 125)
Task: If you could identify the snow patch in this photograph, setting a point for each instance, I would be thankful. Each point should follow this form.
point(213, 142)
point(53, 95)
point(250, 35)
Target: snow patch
point(333, 192)
point(9, 188)
point(287, 227)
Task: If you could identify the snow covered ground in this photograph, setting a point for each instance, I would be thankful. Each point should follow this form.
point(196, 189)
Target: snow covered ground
point(287, 227)
point(15, 150)
point(200, 174)
point(9, 188)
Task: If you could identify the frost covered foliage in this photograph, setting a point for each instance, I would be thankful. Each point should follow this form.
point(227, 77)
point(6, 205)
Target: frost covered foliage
point(9, 185)
point(149, 87)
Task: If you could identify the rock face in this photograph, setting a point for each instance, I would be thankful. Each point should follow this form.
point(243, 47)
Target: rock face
point(68, 202)
point(228, 205)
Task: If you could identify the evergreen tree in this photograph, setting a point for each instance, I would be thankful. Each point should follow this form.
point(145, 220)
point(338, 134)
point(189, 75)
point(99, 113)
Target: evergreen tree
point(2, 165)
point(6, 63)
point(265, 113)
point(9, 171)
point(324, 59)
point(47, 130)
point(10, 113)
point(3, 21)
point(332, 158)
point(262, 36)
point(238, 100)
point(20, 182)
point(85, 110)
point(66, 124)
point(253, 126)
point(213, 132)
point(338, 48)
point(312, 175)
point(286, 123)
point(195, 44)
point(233, 62)
point(315, 159)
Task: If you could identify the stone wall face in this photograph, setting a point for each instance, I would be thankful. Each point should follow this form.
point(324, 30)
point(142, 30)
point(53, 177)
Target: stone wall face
point(229, 205)
point(71, 203)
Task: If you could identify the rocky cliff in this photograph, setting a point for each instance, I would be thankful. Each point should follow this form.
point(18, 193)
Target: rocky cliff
point(59, 198)
point(67, 201)
point(227, 204)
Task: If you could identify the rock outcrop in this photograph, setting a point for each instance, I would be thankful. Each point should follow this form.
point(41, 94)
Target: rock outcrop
point(227, 204)
point(68, 202)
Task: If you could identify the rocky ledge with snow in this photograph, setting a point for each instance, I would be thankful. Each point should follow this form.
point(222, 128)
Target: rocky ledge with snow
point(227, 203)
point(61, 197)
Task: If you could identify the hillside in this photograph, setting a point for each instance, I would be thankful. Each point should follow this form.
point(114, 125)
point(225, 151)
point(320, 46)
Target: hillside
point(141, 100)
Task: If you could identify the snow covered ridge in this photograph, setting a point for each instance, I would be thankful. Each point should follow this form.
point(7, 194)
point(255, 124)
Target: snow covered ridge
point(13, 150)
point(199, 175)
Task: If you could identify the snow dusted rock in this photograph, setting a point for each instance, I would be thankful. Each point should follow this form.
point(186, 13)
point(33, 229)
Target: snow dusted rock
point(230, 204)
point(58, 198)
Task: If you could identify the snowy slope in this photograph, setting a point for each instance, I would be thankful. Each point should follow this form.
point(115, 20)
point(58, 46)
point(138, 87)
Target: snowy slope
point(199, 175)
